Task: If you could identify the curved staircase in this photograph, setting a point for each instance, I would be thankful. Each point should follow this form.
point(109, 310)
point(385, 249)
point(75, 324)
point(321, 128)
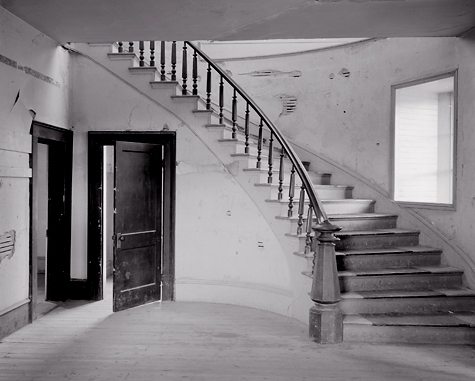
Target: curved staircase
point(392, 288)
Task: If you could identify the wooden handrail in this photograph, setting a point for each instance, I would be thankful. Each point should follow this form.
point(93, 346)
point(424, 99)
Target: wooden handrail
point(314, 200)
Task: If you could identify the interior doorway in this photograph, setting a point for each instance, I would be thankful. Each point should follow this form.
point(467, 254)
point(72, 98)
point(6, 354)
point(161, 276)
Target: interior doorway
point(50, 217)
point(131, 180)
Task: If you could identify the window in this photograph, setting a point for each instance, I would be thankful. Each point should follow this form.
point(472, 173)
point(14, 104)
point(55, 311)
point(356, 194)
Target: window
point(424, 141)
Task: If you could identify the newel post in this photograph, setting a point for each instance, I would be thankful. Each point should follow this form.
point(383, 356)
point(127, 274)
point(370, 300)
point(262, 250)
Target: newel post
point(326, 321)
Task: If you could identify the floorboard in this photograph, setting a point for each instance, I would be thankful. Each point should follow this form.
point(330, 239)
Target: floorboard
point(201, 341)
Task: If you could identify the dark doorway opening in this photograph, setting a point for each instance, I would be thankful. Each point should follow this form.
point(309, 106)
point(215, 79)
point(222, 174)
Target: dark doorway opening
point(51, 162)
point(99, 148)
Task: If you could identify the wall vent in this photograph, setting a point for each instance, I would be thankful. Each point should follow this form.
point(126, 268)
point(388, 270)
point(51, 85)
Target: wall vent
point(289, 103)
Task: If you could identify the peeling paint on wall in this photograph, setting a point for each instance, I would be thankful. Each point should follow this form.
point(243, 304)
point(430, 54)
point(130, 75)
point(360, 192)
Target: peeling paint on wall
point(7, 245)
point(289, 103)
point(29, 71)
point(274, 73)
point(344, 72)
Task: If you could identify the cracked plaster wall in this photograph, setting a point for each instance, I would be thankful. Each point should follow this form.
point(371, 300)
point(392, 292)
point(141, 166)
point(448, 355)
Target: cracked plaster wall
point(34, 80)
point(343, 113)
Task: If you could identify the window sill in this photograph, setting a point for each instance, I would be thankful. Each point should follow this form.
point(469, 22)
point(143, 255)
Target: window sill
point(423, 205)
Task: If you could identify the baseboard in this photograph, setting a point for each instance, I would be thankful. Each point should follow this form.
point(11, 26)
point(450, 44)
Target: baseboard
point(79, 289)
point(14, 318)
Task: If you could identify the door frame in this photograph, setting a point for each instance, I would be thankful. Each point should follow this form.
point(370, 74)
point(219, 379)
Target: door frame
point(95, 267)
point(61, 141)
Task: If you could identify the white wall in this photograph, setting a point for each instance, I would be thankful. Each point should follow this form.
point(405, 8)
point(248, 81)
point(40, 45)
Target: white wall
point(218, 226)
point(345, 118)
point(34, 68)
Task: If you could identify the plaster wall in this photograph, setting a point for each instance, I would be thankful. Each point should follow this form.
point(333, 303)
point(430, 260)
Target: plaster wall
point(343, 114)
point(34, 82)
point(219, 230)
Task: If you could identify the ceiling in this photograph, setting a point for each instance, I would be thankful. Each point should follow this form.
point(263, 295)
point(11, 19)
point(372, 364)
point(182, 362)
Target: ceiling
point(112, 20)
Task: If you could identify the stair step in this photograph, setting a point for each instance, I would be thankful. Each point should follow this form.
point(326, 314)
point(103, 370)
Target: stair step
point(330, 192)
point(414, 278)
point(357, 221)
point(261, 175)
point(123, 57)
point(251, 160)
point(453, 329)
point(370, 239)
point(350, 205)
point(408, 301)
point(364, 221)
point(394, 257)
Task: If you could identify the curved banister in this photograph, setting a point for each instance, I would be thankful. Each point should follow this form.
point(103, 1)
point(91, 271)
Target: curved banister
point(299, 168)
point(326, 323)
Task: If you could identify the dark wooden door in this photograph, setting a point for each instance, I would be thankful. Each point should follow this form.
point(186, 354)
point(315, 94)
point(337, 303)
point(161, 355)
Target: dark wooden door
point(137, 224)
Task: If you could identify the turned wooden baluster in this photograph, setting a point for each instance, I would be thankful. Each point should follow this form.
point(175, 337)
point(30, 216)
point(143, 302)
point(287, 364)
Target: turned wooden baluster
point(234, 114)
point(174, 61)
point(162, 61)
point(208, 88)
point(301, 209)
point(184, 70)
point(308, 228)
point(121, 47)
point(152, 53)
point(270, 161)
point(308, 254)
point(291, 192)
point(195, 73)
point(281, 174)
point(141, 56)
point(221, 100)
point(259, 145)
point(131, 47)
point(246, 130)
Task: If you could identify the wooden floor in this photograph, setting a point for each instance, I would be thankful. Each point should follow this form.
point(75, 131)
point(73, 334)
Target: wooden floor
point(209, 342)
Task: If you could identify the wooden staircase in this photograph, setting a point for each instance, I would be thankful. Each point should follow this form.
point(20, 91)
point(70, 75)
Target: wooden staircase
point(393, 289)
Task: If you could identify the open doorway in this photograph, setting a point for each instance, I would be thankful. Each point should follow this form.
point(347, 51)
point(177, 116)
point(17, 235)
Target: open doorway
point(130, 175)
point(108, 172)
point(50, 217)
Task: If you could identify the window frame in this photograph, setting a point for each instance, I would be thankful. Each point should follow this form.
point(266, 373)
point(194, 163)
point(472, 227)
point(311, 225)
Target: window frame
point(419, 81)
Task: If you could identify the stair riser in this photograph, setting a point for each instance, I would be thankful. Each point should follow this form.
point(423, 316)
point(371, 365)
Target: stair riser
point(409, 334)
point(317, 178)
point(399, 282)
point(376, 241)
point(327, 194)
point(335, 207)
point(382, 261)
point(355, 224)
point(365, 223)
point(251, 162)
point(407, 305)
point(240, 147)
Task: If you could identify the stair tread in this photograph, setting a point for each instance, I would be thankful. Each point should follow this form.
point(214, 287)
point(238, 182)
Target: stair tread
point(361, 215)
point(317, 186)
point(371, 232)
point(402, 294)
point(375, 232)
point(448, 319)
point(422, 270)
point(342, 200)
point(344, 216)
point(390, 250)
point(264, 170)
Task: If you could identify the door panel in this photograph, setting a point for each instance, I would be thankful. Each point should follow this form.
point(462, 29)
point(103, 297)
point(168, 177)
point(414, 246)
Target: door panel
point(137, 223)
